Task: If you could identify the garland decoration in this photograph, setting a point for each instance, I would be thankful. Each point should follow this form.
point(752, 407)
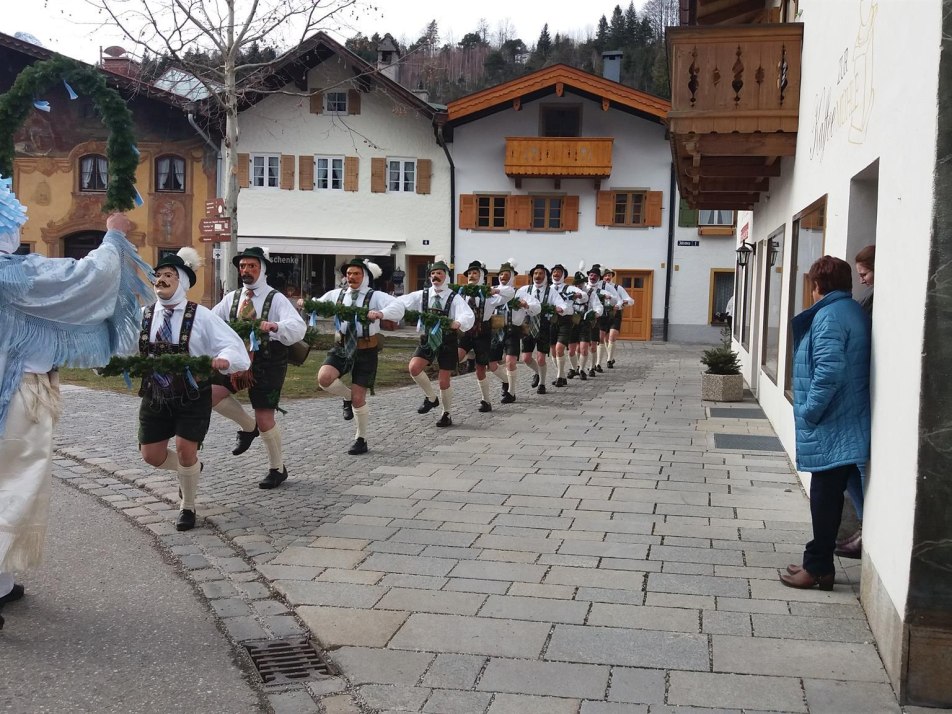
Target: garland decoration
point(244, 329)
point(548, 309)
point(428, 320)
point(40, 77)
point(468, 290)
point(143, 365)
point(345, 313)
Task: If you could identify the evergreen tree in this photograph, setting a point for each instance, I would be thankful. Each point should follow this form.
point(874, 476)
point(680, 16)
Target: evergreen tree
point(631, 25)
point(616, 29)
point(601, 34)
point(544, 45)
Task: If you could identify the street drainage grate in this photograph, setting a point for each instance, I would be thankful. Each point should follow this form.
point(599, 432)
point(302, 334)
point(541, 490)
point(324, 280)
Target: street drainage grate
point(287, 661)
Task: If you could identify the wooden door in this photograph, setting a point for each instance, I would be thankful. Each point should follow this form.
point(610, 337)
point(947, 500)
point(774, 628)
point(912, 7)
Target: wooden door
point(636, 319)
point(417, 277)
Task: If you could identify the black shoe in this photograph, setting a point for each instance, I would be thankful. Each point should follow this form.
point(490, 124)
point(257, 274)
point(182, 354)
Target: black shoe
point(572, 373)
point(505, 388)
point(359, 447)
point(535, 381)
point(563, 382)
point(592, 372)
point(541, 389)
point(582, 375)
point(428, 405)
point(508, 398)
point(13, 595)
point(243, 441)
point(611, 364)
point(274, 478)
point(485, 406)
point(186, 520)
point(598, 368)
point(445, 420)
point(348, 410)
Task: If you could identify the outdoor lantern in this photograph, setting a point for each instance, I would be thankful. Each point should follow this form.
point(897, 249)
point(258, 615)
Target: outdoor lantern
point(744, 253)
point(772, 252)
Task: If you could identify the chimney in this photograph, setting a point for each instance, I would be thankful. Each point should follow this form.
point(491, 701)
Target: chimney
point(611, 65)
point(116, 60)
point(388, 58)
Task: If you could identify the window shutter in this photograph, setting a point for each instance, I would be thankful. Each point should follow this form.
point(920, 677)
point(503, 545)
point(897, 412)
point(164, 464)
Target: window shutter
point(604, 208)
point(467, 211)
point(306, 173)
point(243, 169)
point(687, 217)
point(351, 166)
point(353, 101)
point(378, 175)
point(287, 172)
point(317, 102)
point(653, 213)
point(519, 213)
point(570, 213)
point(424, 169)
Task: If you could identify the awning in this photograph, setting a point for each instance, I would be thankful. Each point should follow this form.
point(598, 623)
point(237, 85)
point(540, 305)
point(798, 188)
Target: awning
point(318, 246)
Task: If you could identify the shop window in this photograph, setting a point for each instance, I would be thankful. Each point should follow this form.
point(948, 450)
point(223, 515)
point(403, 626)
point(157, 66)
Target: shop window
point(722, 288)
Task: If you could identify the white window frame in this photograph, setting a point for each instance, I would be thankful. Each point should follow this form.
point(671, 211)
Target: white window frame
point(329, 181)
point(336, 93)
point(267, 161)
point(710, 218)
point(405, 181)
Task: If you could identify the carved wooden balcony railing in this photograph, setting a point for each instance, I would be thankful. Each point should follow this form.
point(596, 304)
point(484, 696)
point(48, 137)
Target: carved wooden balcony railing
point(558, 157)
point(735, 103)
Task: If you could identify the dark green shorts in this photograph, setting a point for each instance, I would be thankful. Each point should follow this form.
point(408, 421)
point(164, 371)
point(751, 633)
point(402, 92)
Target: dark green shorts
point(186, 418)
point(268, 376)
point(479, 344)
point(362, 368)
point(447, 356)
point(562, 330)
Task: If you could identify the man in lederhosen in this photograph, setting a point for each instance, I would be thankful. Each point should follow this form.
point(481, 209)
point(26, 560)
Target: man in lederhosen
point(593, 313)
point(538, 340)
point(269, 364)
point(565, 330)
point(516, 314)
point(356, 345)
point(614, 328)
point(438, 300)
point(177, 405)
point(479, 337)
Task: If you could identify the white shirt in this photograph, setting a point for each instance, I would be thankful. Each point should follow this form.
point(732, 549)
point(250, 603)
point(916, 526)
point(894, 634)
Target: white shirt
point(622, 294)
point(210, 336)
point(459, 310)
point(538, 292)
point(291, 326)
point(391, 308)
point(527, 293)
point(569, 293)
point(492, 302)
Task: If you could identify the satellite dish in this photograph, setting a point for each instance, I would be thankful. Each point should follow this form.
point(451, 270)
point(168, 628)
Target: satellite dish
point(114, 51)
point(27, 37)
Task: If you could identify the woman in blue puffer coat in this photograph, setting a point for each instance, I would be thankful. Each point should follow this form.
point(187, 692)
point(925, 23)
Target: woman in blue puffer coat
point(831, 343)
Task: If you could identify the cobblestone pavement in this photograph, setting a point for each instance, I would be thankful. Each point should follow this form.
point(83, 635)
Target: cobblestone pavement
point(589, 551)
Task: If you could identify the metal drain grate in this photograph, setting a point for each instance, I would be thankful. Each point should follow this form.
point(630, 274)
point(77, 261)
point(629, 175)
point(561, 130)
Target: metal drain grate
point(287, 661)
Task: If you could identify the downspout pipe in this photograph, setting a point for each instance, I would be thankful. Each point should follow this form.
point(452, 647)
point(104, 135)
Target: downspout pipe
point(669, 265)
point(442, 142)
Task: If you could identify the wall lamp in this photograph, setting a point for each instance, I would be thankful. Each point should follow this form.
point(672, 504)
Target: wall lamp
point(773, 252)
point(744, 252)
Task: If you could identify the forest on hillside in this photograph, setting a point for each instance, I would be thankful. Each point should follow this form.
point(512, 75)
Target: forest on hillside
point(483, 58)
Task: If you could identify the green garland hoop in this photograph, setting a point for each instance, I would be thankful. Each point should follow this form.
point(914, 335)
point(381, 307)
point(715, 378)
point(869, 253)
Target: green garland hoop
point(467, 290)
point(347, 313)
point(142, 366)
point(39, 78)
point(429, 320)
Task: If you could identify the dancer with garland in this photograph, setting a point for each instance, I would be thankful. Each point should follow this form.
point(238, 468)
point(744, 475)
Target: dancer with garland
point(356, 344)
point(565, 330)
point(611, 329)
point(442, 315)
point(539, 339)
point(53, 312)
point(178, 403)
point(483, 301)
point(283, 326)
point(516, 314)
point(591, 313)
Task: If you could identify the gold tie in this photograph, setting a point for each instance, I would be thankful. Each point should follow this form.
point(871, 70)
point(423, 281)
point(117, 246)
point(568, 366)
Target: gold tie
point(247, 310)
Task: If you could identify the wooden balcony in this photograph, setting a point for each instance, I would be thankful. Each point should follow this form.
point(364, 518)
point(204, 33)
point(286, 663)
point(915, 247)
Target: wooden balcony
point(558, 157)
point(735, 103)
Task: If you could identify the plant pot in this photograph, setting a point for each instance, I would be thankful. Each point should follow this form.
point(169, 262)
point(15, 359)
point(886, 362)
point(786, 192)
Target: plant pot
point(722, 387)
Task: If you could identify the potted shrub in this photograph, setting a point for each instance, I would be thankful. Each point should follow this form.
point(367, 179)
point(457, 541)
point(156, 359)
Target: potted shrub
point(722, 381)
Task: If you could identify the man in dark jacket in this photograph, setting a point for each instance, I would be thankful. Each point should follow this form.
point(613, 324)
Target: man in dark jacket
point(831, 343)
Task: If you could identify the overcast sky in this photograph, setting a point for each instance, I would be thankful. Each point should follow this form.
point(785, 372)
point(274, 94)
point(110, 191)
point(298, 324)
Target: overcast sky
point(73, 28)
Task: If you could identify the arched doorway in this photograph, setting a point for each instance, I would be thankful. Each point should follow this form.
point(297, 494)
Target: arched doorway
point(78, 245)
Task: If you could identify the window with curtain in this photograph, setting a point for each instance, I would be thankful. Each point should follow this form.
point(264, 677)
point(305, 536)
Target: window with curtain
point(93, 173)
point(330, 173)
point(265, 170)
point(401, 175)
point(722, 289)
point(170, 173)
point(715, 218)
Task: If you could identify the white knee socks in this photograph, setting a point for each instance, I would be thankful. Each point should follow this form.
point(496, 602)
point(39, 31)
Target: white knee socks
point(424, 381)
point(446, 399)
point(171, 461)
point(188, 482)
point(611, 351)
point(573, 360)
point(272, 441)
point(499, 374)
point(362, 417)
point(231, 408)
point(483, 389)
point(531, 364)
point(512, 381)
point(543, 368)
point(338, 389)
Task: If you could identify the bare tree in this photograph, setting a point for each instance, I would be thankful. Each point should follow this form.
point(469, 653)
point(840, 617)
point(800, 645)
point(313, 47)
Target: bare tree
point(661, 14)
point(223, 30)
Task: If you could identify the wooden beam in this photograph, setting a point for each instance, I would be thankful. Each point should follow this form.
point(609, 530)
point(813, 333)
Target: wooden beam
point(779, 144)
point(606, 104)
point(728, 13)
point(517, 104)
point(729, 170)
point(733, 185)
point(726, 198)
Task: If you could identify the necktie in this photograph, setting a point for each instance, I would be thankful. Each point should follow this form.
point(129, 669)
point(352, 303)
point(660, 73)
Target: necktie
point(437, 302)
point(165, 331)
point(354, 294)
point(247, 309)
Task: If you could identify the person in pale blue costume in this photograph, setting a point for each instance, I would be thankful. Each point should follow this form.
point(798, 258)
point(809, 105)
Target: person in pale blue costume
point(54, 312)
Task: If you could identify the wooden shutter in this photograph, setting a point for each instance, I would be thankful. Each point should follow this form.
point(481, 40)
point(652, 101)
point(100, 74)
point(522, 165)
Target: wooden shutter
point(687, 217)
point(424, 172)
point(378, 175)
point(467, 211)
point(519, 213)
point(242, 169)
point(306, 173)
point(351, 167)
point(287, 172)
point(353, 101)
point(605, 208)
point(653, 213)
point(317, 101)
point(570, 213)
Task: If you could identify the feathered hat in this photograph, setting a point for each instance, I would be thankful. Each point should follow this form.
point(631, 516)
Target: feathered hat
point(368, 266)
point(477, 265)
point(597, 269)
point(186, 261)
point(439, 264)
point(509, 265)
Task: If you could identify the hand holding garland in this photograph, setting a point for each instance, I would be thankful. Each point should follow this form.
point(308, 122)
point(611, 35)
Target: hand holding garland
point(143, 366)
point(429, 320)
point(344, 312)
